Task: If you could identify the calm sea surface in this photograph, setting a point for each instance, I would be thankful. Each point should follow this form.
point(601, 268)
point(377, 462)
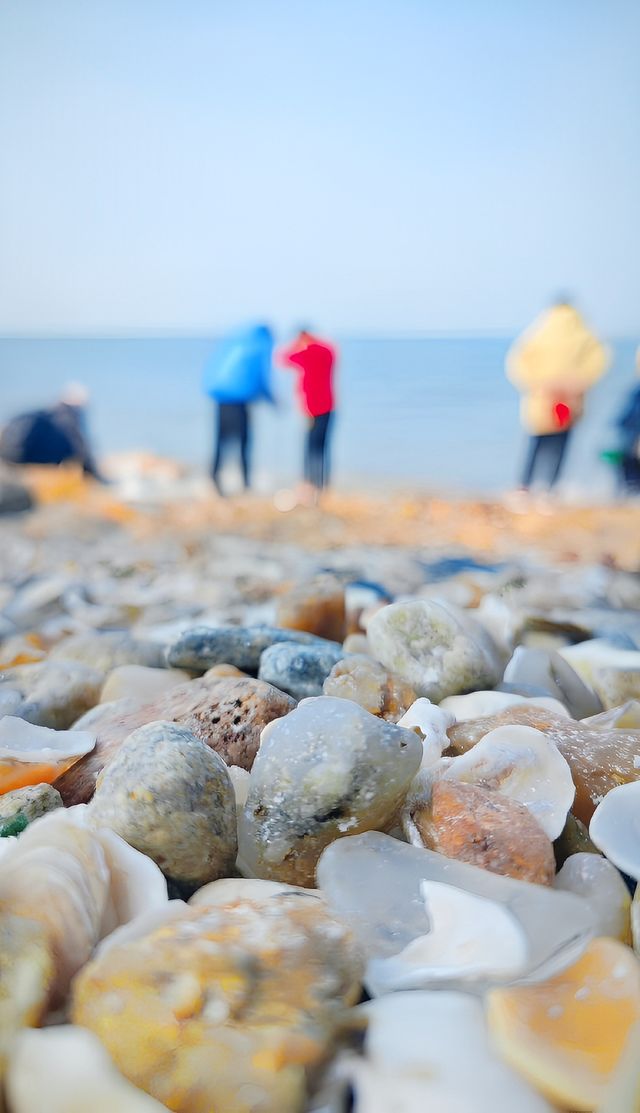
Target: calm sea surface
point(432, 413)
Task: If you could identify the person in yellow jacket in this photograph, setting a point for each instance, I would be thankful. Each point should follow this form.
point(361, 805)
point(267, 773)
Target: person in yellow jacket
point(553, 364)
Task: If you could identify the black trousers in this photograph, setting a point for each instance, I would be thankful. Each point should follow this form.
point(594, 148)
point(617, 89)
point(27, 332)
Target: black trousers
point(631, 473)
point(545, 458)
point(316, 451)
point(232, 427)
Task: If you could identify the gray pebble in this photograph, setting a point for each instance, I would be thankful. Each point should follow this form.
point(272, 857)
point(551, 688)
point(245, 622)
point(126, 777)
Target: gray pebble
point(201, 647)
point(300, 670)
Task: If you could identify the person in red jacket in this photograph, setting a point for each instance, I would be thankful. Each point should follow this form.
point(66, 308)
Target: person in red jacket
point(315, 361)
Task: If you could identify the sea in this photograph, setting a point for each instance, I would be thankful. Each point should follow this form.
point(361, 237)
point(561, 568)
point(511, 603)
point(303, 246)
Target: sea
point(431, 413)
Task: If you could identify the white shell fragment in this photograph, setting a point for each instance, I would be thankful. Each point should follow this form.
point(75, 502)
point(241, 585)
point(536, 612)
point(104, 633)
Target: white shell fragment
point(430, 1051)
point(67, 1070)
point(523, 764)
point(432, 723)
point(470, 937)
point(615, 828)
point(22, 741)
point(476, 705)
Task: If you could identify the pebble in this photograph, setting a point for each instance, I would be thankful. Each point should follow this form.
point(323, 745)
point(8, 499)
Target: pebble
point(317, 607)
point(437, 650)
point(23, 805)
point(53, 693)
point(170, 796)
point(550, 671)
point(486, 829)
point(475, 705)
point(299, 670)
point(200, 647)
point(327, 769)
point(105, 650)
point(367, 682)
point(598, 881)
point(140, 682)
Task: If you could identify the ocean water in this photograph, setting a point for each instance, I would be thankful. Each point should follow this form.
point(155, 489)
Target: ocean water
point(434, 413)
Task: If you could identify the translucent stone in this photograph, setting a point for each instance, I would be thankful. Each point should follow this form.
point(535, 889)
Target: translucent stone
point(615, 828)
point(551, 671)
point(141, 682)
point(619, 718)
point(374, 883)
point(438, 650)
point(432, 723)
point(317, 607)
point(595, 879)
point(428, 1051)
point(567, 1035)
point(367, 682)
point(477, 704)
point(326, 768)
point(31, 755)
point(599, 760)
point(614, 673)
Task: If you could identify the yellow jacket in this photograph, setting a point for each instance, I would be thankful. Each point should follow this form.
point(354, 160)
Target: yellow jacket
point(554, 363)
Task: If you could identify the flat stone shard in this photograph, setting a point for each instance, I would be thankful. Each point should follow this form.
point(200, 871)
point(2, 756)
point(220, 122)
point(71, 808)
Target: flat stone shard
point(326, 769)
point(53, 693)
point(598, 881)
point(567, 1036)
point(300, 670)
point(201, 647)
point(367, 682)
point(373, 882)
point(317, 607)
point(228, 1007)
point(438, 651)
point(169, 796)
point(600, 760)
point(479, 826)
point(550, 671)
point(31, 755)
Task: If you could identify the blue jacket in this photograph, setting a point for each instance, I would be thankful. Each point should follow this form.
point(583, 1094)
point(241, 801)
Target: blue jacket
point(240, 368)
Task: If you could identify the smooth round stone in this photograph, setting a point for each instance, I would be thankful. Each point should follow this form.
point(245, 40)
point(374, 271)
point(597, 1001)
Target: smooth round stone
point(615, 830)
point(367, 682)
point(550, 671)
point(299, 670)
point(438, 651)
point(200, 647)
point(326, 769)
point(106, 650)
point(594, 878)
point(476, 704)
point(140, 682)
point(317, 607)
point(54, 693)
point(168, 795)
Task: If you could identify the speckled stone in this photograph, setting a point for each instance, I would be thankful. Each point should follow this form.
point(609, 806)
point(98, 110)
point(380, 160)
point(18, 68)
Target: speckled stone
point(300, 670)
point(53, 693)
point(201, 647)
point(317, 607)
point(105, 650)
point(28, 803)
point(438, 650)
point(327, 769)
point(168, 795)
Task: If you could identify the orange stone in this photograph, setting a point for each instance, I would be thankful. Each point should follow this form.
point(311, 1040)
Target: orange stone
point(317, 607)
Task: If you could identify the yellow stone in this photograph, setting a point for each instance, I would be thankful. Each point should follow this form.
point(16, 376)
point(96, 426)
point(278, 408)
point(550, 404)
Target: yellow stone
point(566, 1036)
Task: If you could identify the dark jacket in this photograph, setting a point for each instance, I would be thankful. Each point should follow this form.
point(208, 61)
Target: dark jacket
point(47, 437)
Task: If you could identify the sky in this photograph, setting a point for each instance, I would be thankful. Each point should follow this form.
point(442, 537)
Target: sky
point(370, 166)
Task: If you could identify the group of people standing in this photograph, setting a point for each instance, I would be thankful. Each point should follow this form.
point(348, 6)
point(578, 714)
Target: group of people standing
point(239, 375)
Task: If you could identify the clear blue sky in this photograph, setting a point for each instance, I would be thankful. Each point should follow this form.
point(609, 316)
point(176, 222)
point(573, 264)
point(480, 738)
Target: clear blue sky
point(367, 165)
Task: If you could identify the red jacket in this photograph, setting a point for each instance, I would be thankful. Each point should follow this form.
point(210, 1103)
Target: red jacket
point(315, 360)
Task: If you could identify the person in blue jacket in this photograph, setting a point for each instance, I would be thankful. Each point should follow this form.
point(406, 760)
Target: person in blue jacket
point(629, 427)
point(238, 374)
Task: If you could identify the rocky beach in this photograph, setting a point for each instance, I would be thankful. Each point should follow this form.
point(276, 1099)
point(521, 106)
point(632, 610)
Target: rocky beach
point(324, 809)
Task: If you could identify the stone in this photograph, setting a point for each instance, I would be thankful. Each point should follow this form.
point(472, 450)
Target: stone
point(431, 724)
point(318, 607)
point(628, 715)
point(598, 881)
point(614, 828)
point(170, 796)
point(573, 840)
point(373, 882)
point(30, 755)
point(15, 497)
point(550, 671)
point(53, 693)
point(226, 713)
point(599, 760)
point(200, 647)
point(299, 670)
point(105, 650)
point(475, 705)
point(74, 1072)
point(140, 682)
point(357, 643)
point(437, 650)
point(613, 672)
point(367, 682)
point(27, 804)
point(227, 1007)
point(21, 649)
point(327, 768)
point(410, 1061)
point(567, 1035)
point(475, 825)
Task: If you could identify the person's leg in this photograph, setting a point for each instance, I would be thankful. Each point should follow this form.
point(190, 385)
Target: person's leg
point(535, 445)
point(245, 444)
point(323, 446)
point(221, 420)
point(556, 455)
point(316, 447)
point(308, 450)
